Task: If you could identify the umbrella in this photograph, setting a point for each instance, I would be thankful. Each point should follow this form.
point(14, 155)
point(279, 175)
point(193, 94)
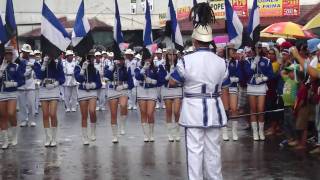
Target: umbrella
point(288, 29)
point(274, 36)
point(313, 23)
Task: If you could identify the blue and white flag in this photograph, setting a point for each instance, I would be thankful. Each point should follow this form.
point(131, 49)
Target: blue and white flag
point(82, 39)
point(173, 27)
point(147, 32)
point(11, 26)
point(195, 2)
point(54, 38)
point(3, 33)
point(117, 30)
point(233, 25)
point(254, 23)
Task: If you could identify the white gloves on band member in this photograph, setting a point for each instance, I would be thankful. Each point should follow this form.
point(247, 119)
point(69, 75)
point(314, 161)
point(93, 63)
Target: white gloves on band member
point(3, 67)
point(89, 86)
point(10, 84)
point(122, 87)
point(145, 67)
point(234, 79)
point(111, 67)
point(45, 63)
point(53, 85)
point(150, 81)
point(84, 67)
point(255, 62)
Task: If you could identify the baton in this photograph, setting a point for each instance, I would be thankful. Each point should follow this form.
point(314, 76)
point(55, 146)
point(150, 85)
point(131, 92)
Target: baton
point(244, 115)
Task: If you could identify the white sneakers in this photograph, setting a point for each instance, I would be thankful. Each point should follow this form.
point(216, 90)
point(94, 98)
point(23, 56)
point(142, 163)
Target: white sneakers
point(25, 124)
point(73, 109)
point(85, 139)
point(114, 128)
point(33, 124)
point(68, 110)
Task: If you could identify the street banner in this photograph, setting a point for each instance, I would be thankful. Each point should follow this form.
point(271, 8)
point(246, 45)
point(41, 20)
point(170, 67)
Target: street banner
point(240, 7)
point(218, 8)
point(291, 7)
point(270, 8)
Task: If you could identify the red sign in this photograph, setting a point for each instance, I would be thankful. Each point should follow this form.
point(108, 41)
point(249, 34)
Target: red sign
point(291, 8)
point(241, 7)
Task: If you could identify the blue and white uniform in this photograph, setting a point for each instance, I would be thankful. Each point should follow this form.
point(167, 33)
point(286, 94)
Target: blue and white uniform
point(132, 65)
point(259, 71)
point(51, 76)
point(202, 112)
point(70, 85)
point(234, 76)
point(11, 78)
point(168, 92)
point(147, 83)
point(119, 81)
point(89, 83)
point(101, 93)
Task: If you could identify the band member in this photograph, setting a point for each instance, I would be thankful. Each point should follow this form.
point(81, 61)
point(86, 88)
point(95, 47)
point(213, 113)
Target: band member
point(171, 95)
point(147, 76)
point(89, 79)
point(131, 63)
point(37, 55)
point(259, 71)
point(11, 77)
point(26, 96)
point(99, 65)
point(202, 112)
point(234, 77)
point(119, 82)
point(157, 61)
point(70, 86)
point(51, 74)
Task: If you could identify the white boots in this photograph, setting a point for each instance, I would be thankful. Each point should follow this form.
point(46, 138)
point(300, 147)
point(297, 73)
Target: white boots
point(173, 132)
point(235, 131)
point(148, 132)
point(14, 136)
point(258, 134)
point(51, 137)
point(225, 135)
point(5, 143)
point(85, 138)
point(47, 132)
point(93, 131)
point(123, 120)
point(114, 133)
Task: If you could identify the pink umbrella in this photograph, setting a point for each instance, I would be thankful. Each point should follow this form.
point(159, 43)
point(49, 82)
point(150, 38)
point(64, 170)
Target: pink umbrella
point(221, 39)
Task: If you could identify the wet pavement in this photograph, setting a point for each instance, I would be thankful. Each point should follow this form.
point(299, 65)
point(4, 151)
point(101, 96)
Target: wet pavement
point(135, 160)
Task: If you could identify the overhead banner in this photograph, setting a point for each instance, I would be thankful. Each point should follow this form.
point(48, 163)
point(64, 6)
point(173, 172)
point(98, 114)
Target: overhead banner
point(240, 7)
point(291, 7)
point(270, 8)
point(183, 12)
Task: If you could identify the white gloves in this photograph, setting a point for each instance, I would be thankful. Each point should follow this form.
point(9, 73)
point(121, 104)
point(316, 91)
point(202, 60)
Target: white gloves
point(255, 62)
point(264, 78)
point(122, 87)
point(168, 76)
point(234, 79)
point(111, 67)
point(151, 81)
point(84, 67)
point(89, 86)
point(259, 80)
point(45, 63)
point(10, 84)
point(146, 66)
point(52, 86)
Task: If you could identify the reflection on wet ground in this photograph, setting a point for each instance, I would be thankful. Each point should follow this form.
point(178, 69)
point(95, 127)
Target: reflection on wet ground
point(136, 160)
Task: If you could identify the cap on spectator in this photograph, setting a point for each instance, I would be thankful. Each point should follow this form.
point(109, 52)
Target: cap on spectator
point(312, 45)
point(26, 48)
point(280, 41)
point(104, 52)
point(129, 52)
point(36, 52)
point(286, 45)
point(69, 53)
point(265, 45)
point(97, 53)
point(111, 54)
point(159, 51)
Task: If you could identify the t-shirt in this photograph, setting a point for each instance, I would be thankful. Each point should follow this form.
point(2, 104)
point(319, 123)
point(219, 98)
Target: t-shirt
point(289, 91)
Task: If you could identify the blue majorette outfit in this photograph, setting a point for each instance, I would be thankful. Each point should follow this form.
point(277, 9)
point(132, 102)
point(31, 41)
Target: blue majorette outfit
point(148, 81)
point(119, 81)
point(259, 71)
point(168, 92)
point(11, 78)
point(89, 83)
point(51, 76)
point(234, 76)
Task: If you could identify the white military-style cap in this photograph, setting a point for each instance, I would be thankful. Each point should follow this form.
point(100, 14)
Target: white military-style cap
point(69, 53)
point(97, 53)
point(111, 54)
point(265, 45)
point(104, 52)
point(36, 52)
point(129, 52)
point(159, 51)
point(26, 48)
point(138, 56)
point(202, 33)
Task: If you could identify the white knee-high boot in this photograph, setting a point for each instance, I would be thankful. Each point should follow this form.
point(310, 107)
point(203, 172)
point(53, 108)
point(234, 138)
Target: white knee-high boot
point(93, 131)
point(123, 120)
point(169, 129)
point(235, 130)
point(5, 143)
point(145, 128)
point(114, 128)
point(177, 132)
point(14, 136)
point(54, 137)
point(261, 131)
point(254, 126)
point(47, 132)
point(151, 128)
point(85, 139)
point(225, 136)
